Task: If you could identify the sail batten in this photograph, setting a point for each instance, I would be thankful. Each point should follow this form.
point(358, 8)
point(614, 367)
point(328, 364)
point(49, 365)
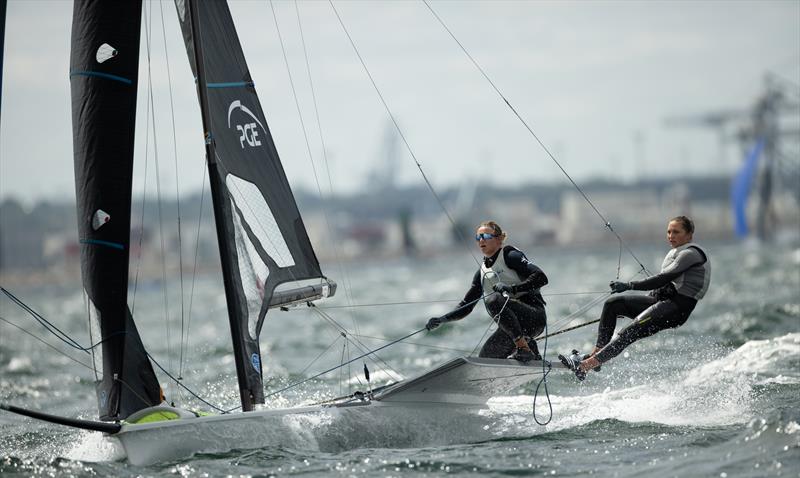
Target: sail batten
point(262, 239)
point(100, 74)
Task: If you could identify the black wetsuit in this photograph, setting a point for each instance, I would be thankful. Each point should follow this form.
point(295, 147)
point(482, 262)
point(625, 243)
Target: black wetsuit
point(664, 308)
point(523, 315)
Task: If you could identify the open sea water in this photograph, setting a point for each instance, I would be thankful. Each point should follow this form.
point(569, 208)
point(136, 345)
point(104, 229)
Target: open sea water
point(718, 397)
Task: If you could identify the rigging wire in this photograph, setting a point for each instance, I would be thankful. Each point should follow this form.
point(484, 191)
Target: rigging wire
point(606, 222)
point(69, 341)
point(419, 344)
point(144, 204)
point(194, 266)
point(440, 301)
point(300, 382)
point(159, 202)
point(361, 346)
point(338, 337)
point(177, 188)
point(61, 335)
point(48, 344)
point(347, 286)
point(391, 115)
point(183, 386)
point(463, 241)
point(563, 321)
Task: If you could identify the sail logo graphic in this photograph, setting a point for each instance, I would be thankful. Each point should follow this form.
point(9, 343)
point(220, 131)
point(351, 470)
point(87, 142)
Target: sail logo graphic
point(255, 360)
point(248, 133)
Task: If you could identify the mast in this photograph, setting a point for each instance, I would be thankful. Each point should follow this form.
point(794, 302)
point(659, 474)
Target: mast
point(249, 397)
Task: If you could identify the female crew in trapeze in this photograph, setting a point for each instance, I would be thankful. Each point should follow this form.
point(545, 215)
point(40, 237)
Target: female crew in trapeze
point(683, 280)
point(509, 284)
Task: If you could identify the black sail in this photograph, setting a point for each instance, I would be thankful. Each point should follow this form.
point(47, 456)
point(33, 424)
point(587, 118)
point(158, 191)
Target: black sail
point(263, 241)
point(104, 67)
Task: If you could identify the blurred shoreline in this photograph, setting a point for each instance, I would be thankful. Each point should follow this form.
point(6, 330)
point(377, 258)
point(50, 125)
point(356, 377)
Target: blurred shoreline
point(39, 245)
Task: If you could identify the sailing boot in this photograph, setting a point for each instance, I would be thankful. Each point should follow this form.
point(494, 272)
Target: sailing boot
point(573, 363)
point(524, 353)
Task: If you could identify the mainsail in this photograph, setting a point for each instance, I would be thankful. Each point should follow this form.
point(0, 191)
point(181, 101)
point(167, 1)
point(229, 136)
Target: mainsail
point(104, 67)
point(262, 239)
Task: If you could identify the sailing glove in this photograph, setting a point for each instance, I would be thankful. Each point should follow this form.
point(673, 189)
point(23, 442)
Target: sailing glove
point(434, 322)
point(618, 286)
point(502, 287)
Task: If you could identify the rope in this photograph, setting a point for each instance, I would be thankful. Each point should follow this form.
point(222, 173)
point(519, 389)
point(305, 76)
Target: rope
point(546, 368)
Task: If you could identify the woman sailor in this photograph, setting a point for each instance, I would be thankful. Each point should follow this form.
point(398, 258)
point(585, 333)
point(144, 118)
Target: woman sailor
point(509, 284)
point(683, 280)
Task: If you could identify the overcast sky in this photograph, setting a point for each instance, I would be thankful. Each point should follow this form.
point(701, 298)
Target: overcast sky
point(589, 78)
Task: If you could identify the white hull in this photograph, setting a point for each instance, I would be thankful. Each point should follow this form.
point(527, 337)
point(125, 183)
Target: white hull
point(440, 407)
point(371, 424)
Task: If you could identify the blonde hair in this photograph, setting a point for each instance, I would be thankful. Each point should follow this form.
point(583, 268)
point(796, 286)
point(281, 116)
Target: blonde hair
point(498, 231)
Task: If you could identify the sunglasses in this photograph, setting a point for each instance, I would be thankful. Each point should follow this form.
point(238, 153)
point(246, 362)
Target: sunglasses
point(485, 236)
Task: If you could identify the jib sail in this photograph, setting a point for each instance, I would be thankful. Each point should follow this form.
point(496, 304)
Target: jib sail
point(262, 239)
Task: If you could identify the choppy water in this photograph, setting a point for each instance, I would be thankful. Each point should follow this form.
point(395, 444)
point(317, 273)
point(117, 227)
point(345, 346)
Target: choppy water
point(717, 397)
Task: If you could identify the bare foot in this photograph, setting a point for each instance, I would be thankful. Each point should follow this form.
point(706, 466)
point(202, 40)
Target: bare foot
point(589, 364)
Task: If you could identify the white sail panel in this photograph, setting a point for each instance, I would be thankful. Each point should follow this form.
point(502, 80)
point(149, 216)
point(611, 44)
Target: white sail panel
point(258, 215)
point(181, 4)
point(252, 271)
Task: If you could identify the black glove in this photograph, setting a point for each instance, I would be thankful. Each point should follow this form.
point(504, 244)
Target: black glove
point(434, 322)
point(617, 286)
point(502, 287)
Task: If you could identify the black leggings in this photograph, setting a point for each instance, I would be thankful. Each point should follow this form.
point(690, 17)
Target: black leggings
point(651, 316)
point(517, 319)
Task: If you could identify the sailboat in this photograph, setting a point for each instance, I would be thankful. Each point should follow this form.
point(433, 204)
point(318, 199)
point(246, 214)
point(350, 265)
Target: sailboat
point(267, 258)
